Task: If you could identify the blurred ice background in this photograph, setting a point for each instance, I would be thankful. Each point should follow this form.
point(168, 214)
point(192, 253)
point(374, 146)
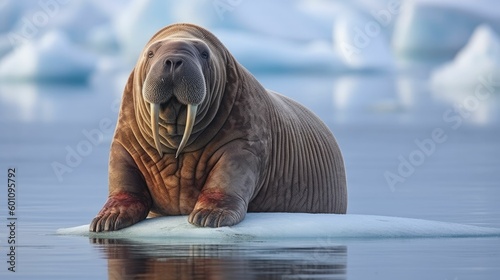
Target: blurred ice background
point(81, 40)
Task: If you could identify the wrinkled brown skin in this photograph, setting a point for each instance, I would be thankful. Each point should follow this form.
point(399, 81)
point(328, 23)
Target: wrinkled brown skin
point(251, 150)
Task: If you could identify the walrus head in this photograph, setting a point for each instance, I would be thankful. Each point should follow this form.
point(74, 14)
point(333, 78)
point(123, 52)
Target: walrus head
point(181, 85)
point(175, 72)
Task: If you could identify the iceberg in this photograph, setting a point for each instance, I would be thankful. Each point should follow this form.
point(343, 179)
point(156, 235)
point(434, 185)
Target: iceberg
point(140, 20)
point(289, 36)
point(281, 226)
point(51, 58)
point(300, 42)
point(294, 21)
point(28, 21)
point(292, 36)
point(10, 12)
point(362, 42)
point(5, 46)
point(477, 63)
point(279, 54)
point(441, 28)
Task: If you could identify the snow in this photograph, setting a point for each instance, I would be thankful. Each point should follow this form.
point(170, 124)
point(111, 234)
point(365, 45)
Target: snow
point(263, 226)
point(478, 61)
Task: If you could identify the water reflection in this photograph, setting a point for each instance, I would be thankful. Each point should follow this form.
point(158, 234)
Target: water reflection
point(136, 260)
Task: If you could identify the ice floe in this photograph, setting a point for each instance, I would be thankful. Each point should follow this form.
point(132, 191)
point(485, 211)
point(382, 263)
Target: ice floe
point(263, 226)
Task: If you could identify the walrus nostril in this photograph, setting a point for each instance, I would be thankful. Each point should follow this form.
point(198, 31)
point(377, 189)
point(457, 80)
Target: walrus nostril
point(173, 63)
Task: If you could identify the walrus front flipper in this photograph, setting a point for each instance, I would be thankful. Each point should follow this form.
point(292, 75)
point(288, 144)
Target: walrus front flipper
point(129, 200)
point(120, 210)
point(224, 198)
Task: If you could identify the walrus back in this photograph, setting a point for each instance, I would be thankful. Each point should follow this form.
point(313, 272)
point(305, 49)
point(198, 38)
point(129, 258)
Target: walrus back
point(307, 172)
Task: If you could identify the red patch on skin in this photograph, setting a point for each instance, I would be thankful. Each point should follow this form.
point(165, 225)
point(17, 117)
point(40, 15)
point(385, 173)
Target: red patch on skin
point(214, 198)
point(120, 210)
point(124, 200)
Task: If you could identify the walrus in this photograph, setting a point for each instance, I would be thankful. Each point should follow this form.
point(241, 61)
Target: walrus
point(198, 135)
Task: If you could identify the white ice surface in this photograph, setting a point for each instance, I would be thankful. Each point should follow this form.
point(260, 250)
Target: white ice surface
point(262, 226)
point(479, 59)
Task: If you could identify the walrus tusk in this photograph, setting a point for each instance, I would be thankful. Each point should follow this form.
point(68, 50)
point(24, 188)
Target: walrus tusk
point(190, 116)
point(155, 112)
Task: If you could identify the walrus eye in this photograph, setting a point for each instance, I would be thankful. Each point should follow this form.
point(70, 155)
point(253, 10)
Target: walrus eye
point(204, 55)
point(150, 54)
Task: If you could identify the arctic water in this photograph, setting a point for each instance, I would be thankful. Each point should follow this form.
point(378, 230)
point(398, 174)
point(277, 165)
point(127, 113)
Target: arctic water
point(380, 121)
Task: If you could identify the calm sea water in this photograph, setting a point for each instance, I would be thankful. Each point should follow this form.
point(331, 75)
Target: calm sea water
point(379, 121)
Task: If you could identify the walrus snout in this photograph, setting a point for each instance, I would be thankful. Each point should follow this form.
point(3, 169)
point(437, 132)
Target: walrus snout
point(174, 74)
